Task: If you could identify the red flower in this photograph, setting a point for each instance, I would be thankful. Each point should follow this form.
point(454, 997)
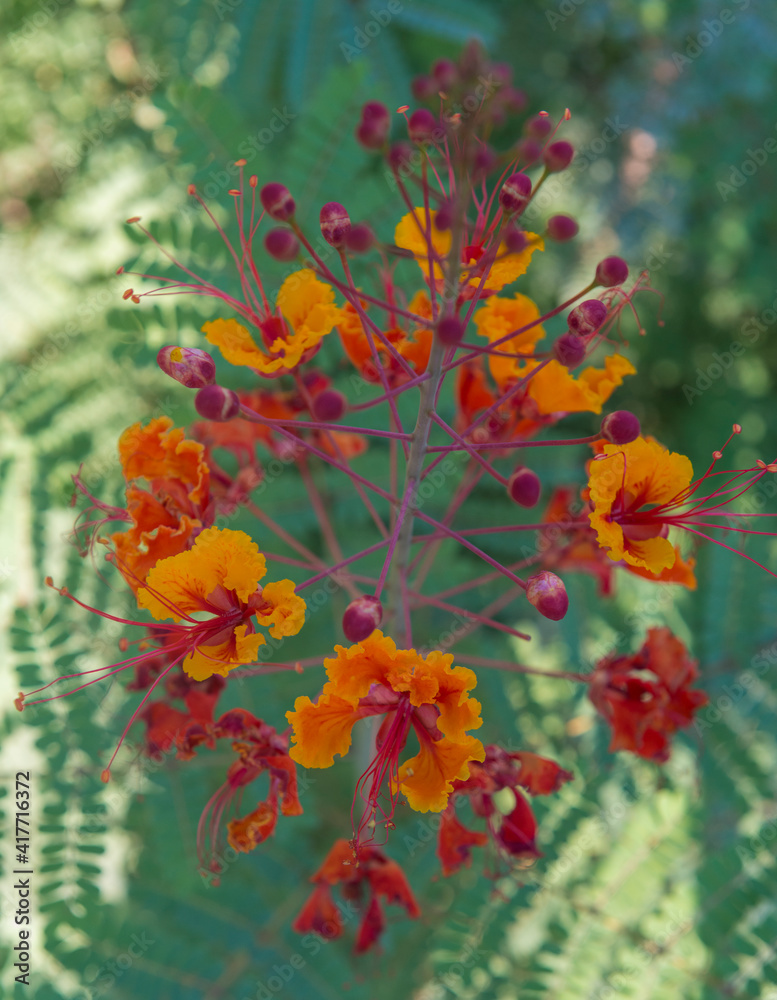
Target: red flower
point(646, 696)
point(374, 873)
point(514, 834)
point(260, 749)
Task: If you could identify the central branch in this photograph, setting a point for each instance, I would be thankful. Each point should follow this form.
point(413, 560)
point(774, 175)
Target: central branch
point(426, 409)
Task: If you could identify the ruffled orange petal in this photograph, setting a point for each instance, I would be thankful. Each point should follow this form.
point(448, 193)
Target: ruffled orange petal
point(219, 557)
point(410, 234)
point(681, 571)
point(498, 317)
point(426, 780)
point(288, 614)
point(238, 346)
point(375, 660)
point(555, 389)
point(308, 305)
point(509, 266)
point(247, 832)
point(240, 649)
point(321, 729)
point(458, 712)
point(161, 451)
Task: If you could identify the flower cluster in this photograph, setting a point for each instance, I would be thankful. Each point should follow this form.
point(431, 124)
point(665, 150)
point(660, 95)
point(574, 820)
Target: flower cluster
point(439, 322)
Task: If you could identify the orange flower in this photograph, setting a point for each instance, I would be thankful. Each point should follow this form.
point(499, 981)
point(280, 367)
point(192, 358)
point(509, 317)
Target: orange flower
point(414, 346)
point(554, 389)
point(633, 489)
point(500, 316)
point(375, 872)
point(220, 576)
point(411, 234)
point(305, 313)
point(373, 677)
point(164, 518)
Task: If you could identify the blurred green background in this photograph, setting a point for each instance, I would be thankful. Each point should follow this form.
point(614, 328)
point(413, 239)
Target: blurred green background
point(656, 883)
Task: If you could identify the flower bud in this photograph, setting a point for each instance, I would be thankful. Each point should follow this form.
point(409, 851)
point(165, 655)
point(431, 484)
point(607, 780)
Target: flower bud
point(528, 151)
point(445, 73)
point(443, 217)
point(548, 595)
point(277, 201)
point(524, 486)
point(620, 427)
point(361, 618)
point(214, 402)
point(586, 318)
point(514, 239)
point(558, 156)
point(372, 132)
point(485, 160)
point(515, 192)
point(359, 238)
point(335, 223)
point(374, 111)
point(612, 271)
point(329, 405)
point(281, 244)
point(423, 88)
point(569, 349)
point(562, 228)
point(400, 156)
point(422, 126)
point(539, 127)
point(188, 365)
point(450, 330)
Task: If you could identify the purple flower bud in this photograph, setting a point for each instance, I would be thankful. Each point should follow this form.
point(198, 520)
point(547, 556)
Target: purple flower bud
point(361, 618)
point(335, 223)
point(400, 156)
point(370, 135)
point(450, 330)
point(445, 73)
point(374, 111)
point(620, 427)
point(558, 156)
point(372, 132)
point(528, 151)
point(422, 126)
point(360, 238)
point(539, 127)
point(329, 405)
point(485, 160)
point(548, 595)
point(586, 318)
point(281, 244)
point(612, 271)
point(214, 402)
point(515, 192)
point(524, 486)
point(569, 349)
point(562, 228)
point(423, 88)
point(514, 239)
point(277, 201)
point(443, 219)
point(188, 365)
